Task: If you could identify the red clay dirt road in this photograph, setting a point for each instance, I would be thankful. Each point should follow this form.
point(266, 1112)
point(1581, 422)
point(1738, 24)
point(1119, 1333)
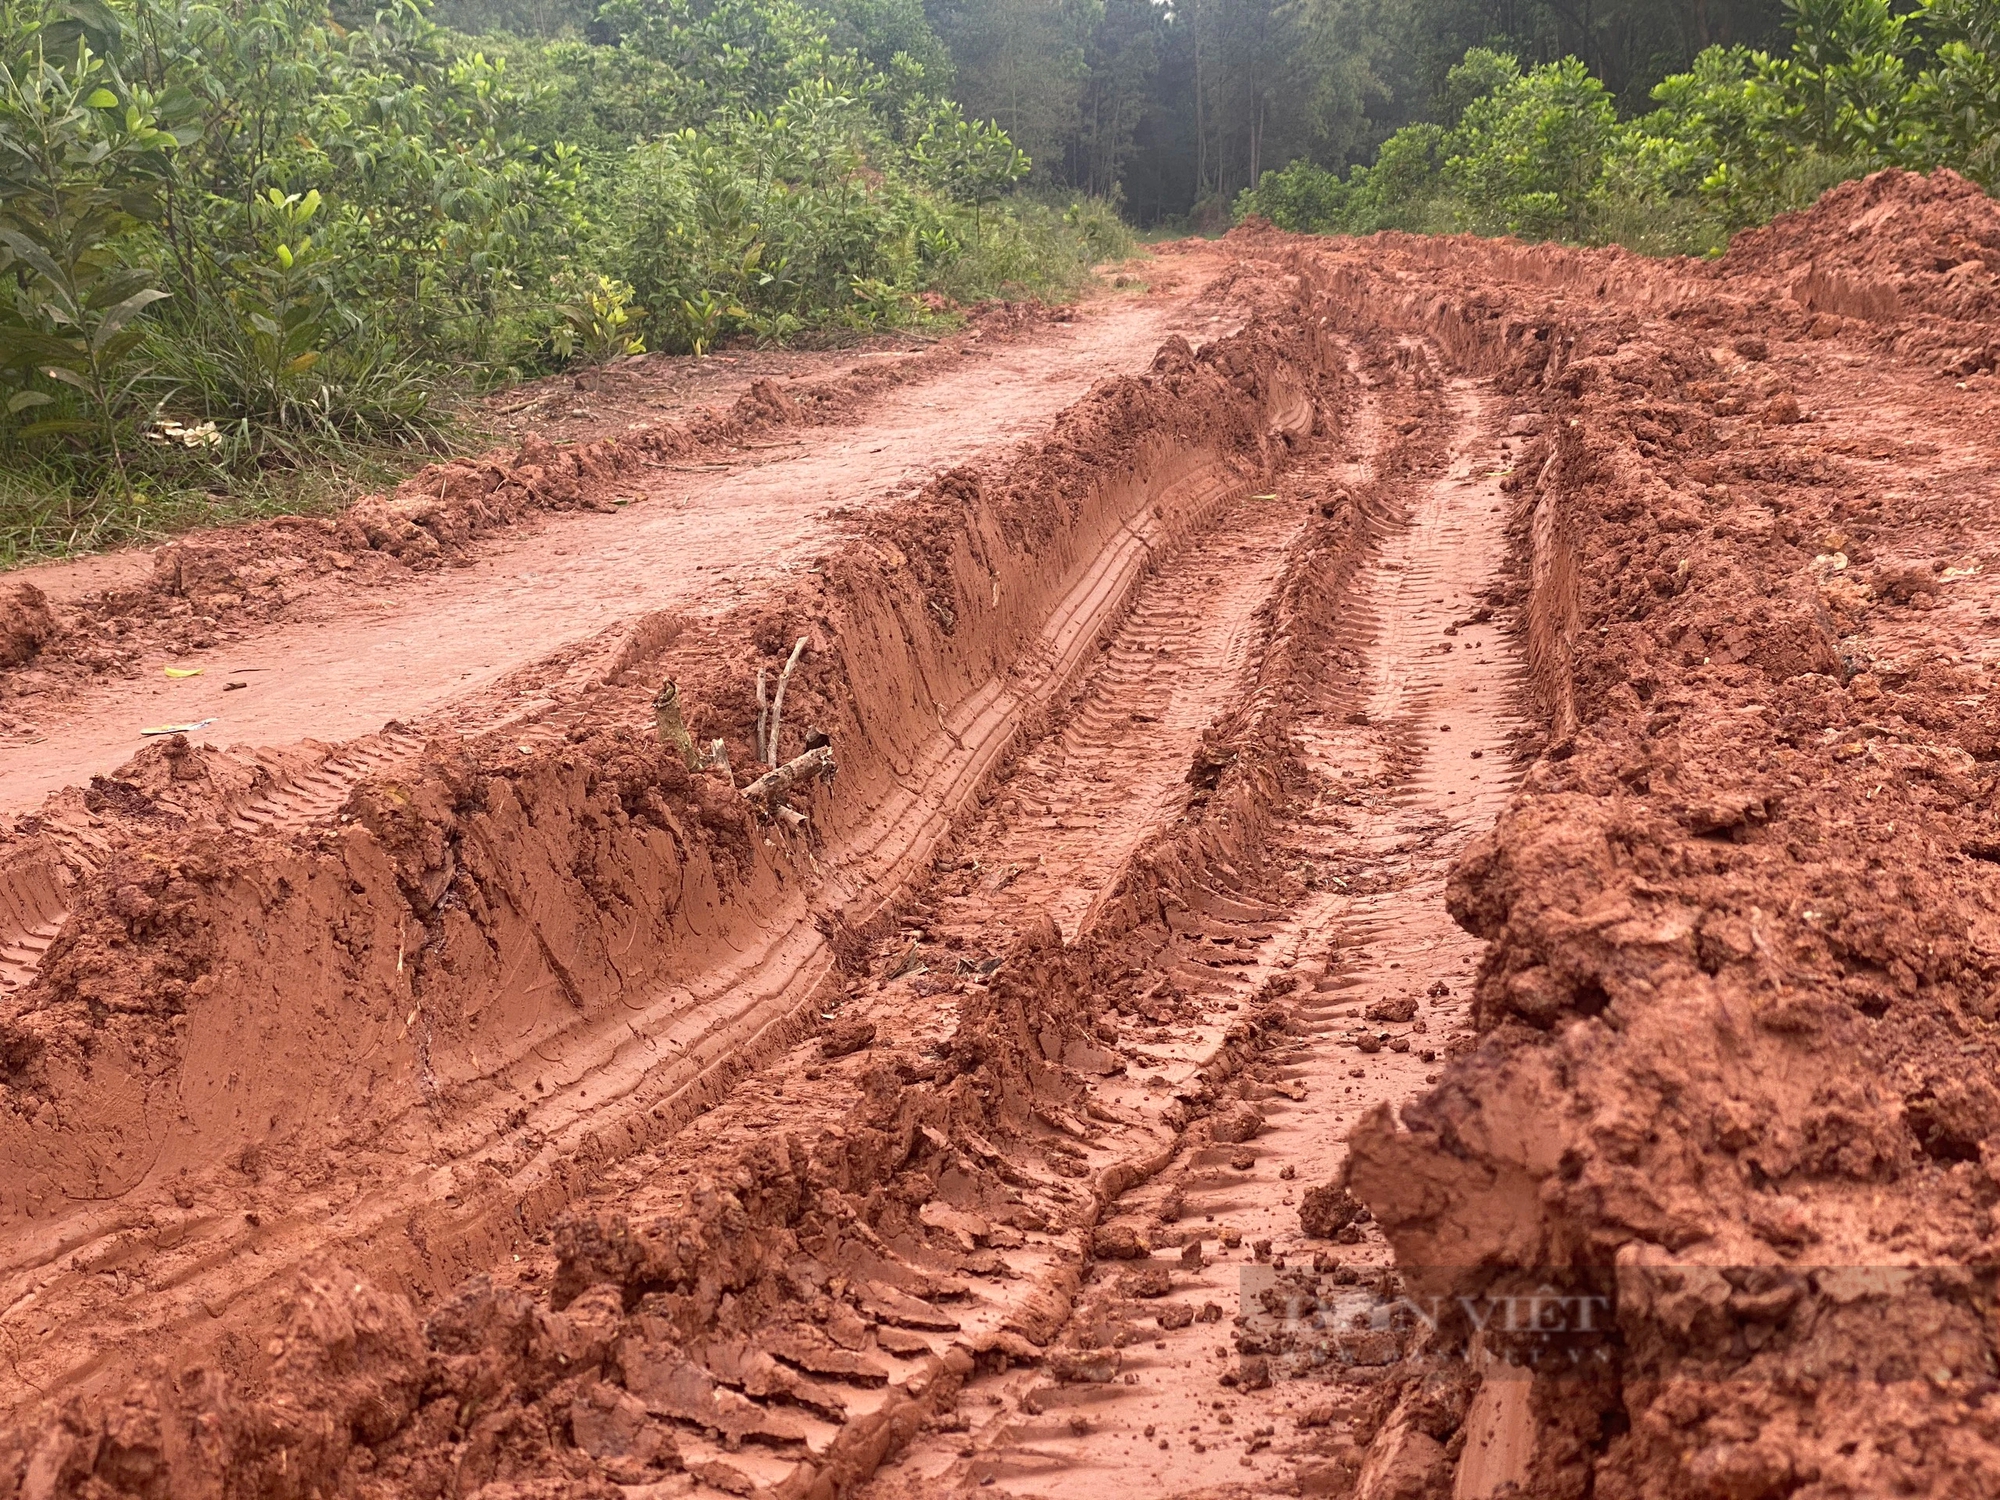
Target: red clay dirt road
point(696, 537)
point(1409, 908)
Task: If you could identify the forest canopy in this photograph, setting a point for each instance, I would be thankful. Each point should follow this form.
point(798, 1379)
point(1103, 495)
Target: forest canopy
point(1737, 136)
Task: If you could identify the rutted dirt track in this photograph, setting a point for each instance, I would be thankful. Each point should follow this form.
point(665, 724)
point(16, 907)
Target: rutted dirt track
point(1408, 908)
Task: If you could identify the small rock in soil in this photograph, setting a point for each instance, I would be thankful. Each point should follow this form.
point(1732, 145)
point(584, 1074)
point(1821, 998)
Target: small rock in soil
point(1119, 1242)
point(1238, 1123)
point(851, 1036)
point(1091, 1367)
point(1327, 1210)
point(1151, 1281)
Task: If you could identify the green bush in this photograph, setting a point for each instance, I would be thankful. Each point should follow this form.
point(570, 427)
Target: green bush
point(1528, 157)
point(1040, 249)
point(1401, 191)
point(1302, 197)
point(770, 224)
point(239, 238)
point(1739, 137)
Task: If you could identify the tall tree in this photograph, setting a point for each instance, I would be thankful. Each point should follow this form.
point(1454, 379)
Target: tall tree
point(1121, 69)
point(1021, 63)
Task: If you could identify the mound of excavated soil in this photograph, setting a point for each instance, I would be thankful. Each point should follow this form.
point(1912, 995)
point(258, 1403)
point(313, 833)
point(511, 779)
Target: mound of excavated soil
point(1734, 1094)
point(1889, 243)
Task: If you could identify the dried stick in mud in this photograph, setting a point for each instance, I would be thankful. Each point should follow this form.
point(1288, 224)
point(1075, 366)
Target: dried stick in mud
point(772, 785)
point(778, 701)
point(667, 715)
point(673, 732)
point(763, 719)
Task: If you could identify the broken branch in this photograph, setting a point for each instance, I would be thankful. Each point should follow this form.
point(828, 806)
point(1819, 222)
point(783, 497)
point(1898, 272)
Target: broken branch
point(815, 763)
point(763, 718)
point(673, 733)
point(778, 703)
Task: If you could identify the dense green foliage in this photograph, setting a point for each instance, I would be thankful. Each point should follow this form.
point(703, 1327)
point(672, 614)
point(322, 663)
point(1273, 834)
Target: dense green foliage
point(237, 232)
point(1739, 136)
point(1172, 107)
point(1175, 106)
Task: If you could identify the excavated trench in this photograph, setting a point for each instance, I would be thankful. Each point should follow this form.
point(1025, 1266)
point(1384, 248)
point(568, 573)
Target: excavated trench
point(1406, 912)
point(1406, 741)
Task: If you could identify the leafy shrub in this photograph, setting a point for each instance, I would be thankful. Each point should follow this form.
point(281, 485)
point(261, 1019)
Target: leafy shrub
point(1037, 250)
point(1528, 157)
point(1740, 136)
point(768, 223)
point(81, 163)
point(233, 238)
point(1400, 191)
point(1302, 197)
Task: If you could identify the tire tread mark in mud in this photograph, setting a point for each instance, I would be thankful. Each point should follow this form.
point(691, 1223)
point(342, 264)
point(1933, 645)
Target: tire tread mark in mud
point(33, 908)
point(1391, 799)
point(1078, 801)
point(301, 800)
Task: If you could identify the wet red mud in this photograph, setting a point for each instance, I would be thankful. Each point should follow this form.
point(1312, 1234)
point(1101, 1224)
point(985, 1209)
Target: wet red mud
point(1409, 908)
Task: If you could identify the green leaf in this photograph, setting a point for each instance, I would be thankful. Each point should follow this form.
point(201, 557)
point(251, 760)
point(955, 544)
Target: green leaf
point(33, 254)
point(102, 99)
point(67, 377)
point(57, 427)
point(23, 400)
point(124, 313)
point(110, 351)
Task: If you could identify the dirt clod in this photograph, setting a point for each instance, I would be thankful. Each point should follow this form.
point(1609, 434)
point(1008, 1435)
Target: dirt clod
point(26, 625)
point(1326, 1210)
point(1238, 1123)
point(1119, 1242)
point(846, 1038)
